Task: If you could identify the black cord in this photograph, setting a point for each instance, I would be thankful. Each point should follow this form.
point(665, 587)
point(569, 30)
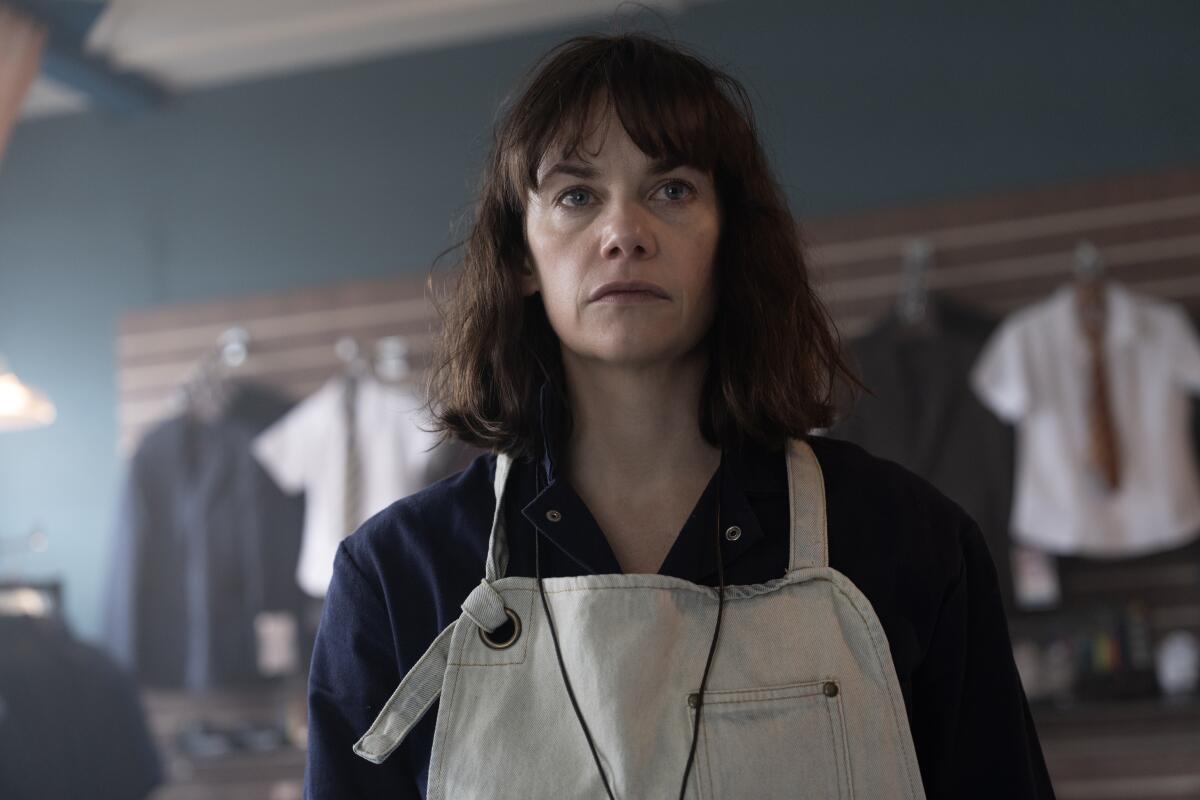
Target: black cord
point(537, 561)
point(716, 633)
point(711, 649)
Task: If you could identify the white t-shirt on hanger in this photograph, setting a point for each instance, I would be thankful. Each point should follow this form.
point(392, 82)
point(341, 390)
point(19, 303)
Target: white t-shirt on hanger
point(306, 451)
point(1034, 371)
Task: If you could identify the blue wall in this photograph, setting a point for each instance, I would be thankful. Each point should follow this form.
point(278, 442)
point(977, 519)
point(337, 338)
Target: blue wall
point(359, 172)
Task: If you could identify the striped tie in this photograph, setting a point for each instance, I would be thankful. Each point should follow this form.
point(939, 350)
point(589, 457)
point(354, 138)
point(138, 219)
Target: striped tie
point(1104, 450)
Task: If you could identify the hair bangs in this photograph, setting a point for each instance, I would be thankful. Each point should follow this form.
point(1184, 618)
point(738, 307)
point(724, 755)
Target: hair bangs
point(669, 117)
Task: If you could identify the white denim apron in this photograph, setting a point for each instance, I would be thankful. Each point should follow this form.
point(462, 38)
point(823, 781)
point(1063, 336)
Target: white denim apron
point(802, 699)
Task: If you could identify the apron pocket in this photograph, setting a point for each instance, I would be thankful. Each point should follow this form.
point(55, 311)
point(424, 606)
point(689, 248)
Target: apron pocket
point(771, 742)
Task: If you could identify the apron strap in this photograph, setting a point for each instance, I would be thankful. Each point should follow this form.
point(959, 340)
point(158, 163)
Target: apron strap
point(485, 607)
point(806, 498)
point(409, 703)
point(497, 560)
point(423, 684)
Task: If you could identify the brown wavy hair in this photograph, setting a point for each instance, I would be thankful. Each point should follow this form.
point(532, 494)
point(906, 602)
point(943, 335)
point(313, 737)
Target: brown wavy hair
point(774, 353)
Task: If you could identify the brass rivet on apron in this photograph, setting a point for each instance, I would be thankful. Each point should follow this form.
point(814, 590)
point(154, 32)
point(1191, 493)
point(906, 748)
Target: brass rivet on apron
point(733, 533)
point(693, 699)
point(831, 689)
point(510, 641)
point(553, 515)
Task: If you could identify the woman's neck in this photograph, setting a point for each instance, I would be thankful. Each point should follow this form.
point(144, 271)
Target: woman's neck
point(636, 456)
point(636, 431)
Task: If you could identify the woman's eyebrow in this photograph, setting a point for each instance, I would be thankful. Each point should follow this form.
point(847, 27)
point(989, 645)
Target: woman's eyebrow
point(585, 171)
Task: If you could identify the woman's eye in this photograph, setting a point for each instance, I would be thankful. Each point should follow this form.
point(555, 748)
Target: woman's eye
point(676, 190)
point(574, 198)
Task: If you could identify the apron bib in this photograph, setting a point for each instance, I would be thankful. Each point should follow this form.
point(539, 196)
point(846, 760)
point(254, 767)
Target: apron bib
point(802, 698)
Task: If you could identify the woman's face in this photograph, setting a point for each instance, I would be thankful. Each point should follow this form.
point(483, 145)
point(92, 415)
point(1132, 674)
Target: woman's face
point(616, 215)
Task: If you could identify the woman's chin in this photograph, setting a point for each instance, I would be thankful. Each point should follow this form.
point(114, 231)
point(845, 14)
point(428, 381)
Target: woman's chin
point(635, 354)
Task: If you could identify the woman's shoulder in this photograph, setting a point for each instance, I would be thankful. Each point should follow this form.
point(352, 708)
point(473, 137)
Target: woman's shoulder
point(849, 464)
point(876, 503)
point(900, 540)
point(444, 524)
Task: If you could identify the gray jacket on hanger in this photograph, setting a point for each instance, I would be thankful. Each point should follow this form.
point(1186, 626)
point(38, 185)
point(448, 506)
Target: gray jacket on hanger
point(925, 417)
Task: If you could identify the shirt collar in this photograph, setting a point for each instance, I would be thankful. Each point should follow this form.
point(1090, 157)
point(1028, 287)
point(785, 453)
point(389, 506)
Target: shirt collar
point(1121, 325)
point(750, 471)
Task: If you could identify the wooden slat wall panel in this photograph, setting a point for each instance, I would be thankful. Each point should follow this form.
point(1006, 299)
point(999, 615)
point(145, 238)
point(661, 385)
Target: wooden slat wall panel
point(292, 337)
point(315, 298)
point(999, 253)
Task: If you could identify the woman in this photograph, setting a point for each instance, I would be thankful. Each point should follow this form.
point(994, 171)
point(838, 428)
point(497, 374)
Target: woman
point(657, 583)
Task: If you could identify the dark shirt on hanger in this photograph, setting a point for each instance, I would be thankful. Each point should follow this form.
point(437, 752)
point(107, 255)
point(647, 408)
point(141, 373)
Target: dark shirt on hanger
point(916, 555)
point(924, 416)
point(205, 541)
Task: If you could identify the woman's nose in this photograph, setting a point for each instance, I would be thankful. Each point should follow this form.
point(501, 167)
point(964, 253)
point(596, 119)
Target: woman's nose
point(626, 234)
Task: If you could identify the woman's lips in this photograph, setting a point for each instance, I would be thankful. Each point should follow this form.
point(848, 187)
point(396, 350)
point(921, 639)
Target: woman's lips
point(629, 297)
point(629, 287)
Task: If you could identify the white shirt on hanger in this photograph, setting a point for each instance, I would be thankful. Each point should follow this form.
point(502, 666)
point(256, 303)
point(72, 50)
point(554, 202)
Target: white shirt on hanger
point(1034, 371)
point(306, 451)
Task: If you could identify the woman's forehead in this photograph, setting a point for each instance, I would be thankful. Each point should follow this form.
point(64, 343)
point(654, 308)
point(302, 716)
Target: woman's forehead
point(583, 131)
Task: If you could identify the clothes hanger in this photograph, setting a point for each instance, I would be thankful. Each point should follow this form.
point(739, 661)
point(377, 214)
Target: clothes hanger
point(391, 359)
point(917, 315)
point(354, 364)
point(207, 391)
point(1090, 283)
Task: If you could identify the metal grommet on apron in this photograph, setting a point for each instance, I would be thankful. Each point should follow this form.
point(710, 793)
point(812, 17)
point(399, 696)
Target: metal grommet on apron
point(486, 636)
point(801, 697)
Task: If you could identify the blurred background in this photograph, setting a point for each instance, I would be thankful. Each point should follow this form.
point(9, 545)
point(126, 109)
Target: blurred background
point(216, 221)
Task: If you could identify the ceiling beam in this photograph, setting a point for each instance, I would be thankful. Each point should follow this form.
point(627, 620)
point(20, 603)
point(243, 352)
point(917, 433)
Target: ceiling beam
point(66, 60)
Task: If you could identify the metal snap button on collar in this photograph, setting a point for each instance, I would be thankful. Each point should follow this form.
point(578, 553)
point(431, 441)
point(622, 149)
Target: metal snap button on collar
point(553, 515)
point(733, 533)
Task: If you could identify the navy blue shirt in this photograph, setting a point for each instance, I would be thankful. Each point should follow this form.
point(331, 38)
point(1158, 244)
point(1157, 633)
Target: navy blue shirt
point(917, 557)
